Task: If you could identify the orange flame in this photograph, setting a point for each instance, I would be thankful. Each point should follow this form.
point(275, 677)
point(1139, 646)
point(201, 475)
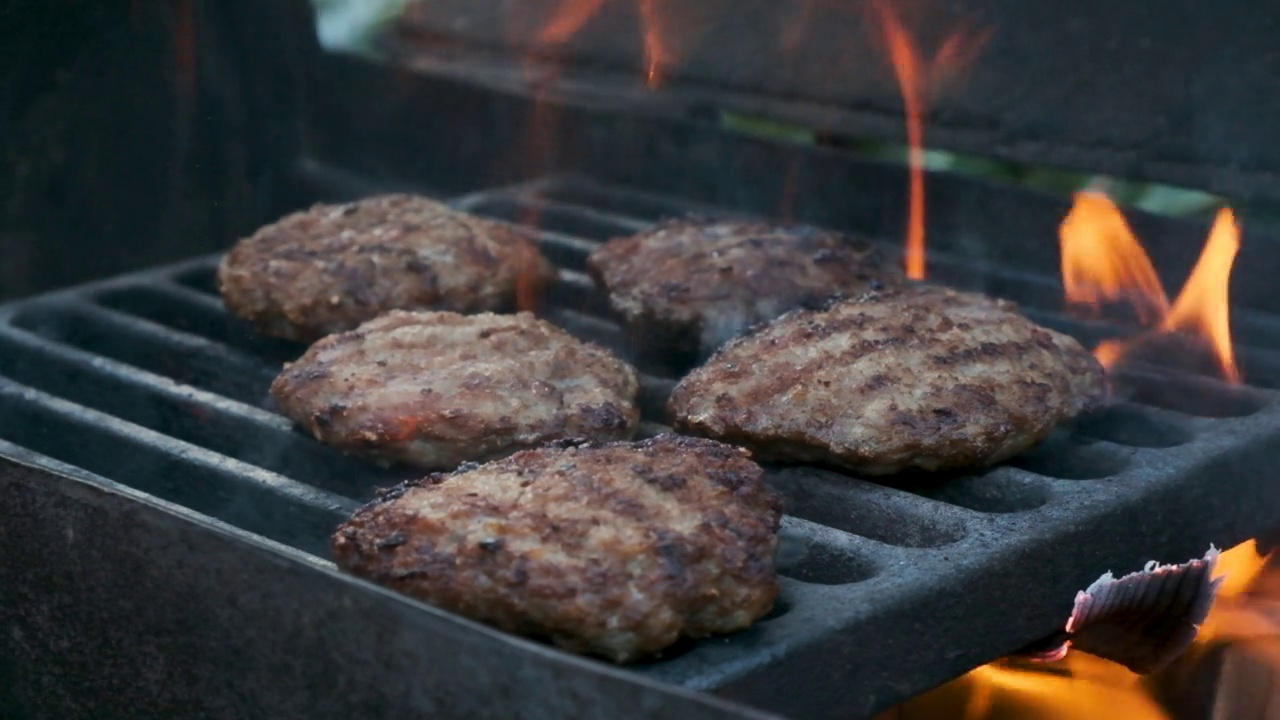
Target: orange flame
point(656, 54)
point(571, 16)
point(1202, 308)
point(561, 23)
point(535, 155)
point(1240, 568)
point(1083, 687)
point(1078, 687)
point(1109, 353)
point(908, 67)
point(1103, 262)
point(568, 18)
point(917, 76)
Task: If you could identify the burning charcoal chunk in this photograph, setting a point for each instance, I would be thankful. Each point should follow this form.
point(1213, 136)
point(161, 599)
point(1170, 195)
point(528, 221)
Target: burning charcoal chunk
point(497, 384)
point(686, 287)
point(587, 545)
point(916, 378)
point(1145, 619)
point(330, 268)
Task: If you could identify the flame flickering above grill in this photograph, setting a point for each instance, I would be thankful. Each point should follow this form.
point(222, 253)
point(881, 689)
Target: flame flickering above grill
point(655, 44)
point(1104, 265)
point(918, 77)
point(1202, 308)
point(1102, 261)
point(552, 29)
point(567, 19)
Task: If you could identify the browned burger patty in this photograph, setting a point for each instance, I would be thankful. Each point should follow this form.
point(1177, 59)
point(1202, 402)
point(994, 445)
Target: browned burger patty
point(685, 288)
point(332, 267)
point(615, 550)
point(435, 389)
point(920, 377)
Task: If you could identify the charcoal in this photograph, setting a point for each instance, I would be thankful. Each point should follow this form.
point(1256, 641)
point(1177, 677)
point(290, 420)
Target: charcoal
point(1145, 619)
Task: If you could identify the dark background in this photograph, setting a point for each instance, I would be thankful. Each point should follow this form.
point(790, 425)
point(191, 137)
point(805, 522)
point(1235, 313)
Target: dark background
point(1181, 91)
point(130, 134)
point(137, 132)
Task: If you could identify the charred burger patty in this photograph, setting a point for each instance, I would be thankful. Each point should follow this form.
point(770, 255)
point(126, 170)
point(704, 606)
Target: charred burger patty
point(684, 288)
point(920, 377)
point(333, 267)
point(435, 389)
point(615, 550)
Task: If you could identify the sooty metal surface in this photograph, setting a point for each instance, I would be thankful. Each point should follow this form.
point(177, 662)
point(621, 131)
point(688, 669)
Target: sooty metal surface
point(888, 587)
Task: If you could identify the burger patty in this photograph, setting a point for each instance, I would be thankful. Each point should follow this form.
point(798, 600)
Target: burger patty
point(434, 389)
point(685, 288)
point(332, 267)
point(609, 549)
point(920, 377)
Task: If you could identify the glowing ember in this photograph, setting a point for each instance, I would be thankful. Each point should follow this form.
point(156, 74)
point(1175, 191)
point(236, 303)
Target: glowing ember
point(1104, 263)
point(917, 78)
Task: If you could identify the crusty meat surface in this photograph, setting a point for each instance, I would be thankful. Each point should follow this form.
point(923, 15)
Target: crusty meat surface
point(916, 378)
point(332, 267)
point(614, 550)
point(434, 389)
point(686, 287)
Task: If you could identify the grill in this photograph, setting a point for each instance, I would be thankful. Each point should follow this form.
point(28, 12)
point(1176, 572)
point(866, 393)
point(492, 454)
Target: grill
point(142, 385)
point(165, 532)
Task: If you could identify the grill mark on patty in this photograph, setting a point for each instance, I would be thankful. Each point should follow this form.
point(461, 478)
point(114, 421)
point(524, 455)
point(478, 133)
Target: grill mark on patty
point(329, 268)
point(436, 389)
point(861, 383)
point(577, 543)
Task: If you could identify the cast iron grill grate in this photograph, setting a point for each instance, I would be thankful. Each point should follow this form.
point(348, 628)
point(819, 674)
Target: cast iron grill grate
point(887, 588)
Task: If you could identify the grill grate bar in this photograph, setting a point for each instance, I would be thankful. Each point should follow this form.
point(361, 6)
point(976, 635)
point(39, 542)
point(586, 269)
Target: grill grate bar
point(198, 314)
point(180, 356)
point(577, 191)
point(100, 369)
point(223, 426)
point(237, 493)
point(574, 223)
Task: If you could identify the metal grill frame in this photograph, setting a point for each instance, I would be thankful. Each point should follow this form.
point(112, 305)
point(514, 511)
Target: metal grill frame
point(887, 590)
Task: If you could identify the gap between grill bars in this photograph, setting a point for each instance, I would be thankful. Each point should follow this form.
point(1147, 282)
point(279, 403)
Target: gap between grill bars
point(888, 587)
